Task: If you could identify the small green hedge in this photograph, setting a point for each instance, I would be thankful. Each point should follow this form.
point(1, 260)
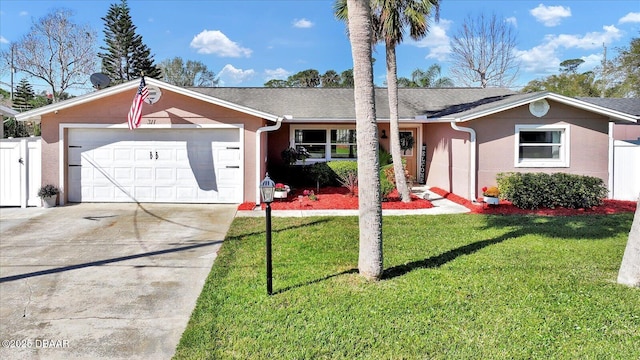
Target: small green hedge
point(541, 190)
point(386, 180)
point(346, 173)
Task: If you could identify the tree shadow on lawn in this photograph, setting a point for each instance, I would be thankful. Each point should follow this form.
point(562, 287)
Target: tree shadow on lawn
point(569, 228)
point(230, 256)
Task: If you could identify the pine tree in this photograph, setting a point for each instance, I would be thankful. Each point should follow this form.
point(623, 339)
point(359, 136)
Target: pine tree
point(23, 97)
point(125, 56)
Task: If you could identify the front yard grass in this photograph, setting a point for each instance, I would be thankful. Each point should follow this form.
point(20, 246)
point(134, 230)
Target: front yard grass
point(455, 287)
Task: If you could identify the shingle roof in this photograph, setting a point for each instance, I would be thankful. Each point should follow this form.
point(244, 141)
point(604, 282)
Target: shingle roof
point(7, 111)
point(337, 103)
point(628, 106)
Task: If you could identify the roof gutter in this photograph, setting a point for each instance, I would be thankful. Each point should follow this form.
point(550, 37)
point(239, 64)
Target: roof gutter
point(472, 160)
point(259, 132)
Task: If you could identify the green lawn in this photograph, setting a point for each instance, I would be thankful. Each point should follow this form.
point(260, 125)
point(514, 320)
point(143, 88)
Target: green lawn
point(455, 287)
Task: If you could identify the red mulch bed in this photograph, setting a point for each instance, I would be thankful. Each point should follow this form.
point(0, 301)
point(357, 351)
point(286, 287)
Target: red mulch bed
point(337, 198)
point(506, 208)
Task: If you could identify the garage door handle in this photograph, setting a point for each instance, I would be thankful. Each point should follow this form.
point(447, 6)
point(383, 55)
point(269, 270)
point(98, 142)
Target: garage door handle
point(21, 161)
point(233, 167)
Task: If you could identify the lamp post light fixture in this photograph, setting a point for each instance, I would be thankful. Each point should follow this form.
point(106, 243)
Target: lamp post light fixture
point(267, 188)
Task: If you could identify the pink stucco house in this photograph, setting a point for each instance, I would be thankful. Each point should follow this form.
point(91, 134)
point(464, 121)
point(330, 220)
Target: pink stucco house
point(213, 145)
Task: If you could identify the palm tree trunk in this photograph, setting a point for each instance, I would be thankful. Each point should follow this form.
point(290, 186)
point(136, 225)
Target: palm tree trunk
point(394, 126)
point(629, 273)
point(369, 198)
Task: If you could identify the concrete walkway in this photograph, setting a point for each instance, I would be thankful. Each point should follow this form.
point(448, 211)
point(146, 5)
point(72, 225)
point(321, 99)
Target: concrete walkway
point(440, 206)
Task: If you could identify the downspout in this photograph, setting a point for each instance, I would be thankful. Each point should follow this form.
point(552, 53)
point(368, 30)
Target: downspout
point(259, 132)
point(472, 160)
point(611, 165)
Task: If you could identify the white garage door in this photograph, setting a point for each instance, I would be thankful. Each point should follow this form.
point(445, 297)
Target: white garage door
point(151, 165)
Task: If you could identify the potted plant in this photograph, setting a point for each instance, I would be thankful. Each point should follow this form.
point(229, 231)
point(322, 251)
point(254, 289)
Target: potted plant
point(281, 191)
point(491, 195)
point(48, 193)
point(291, 155)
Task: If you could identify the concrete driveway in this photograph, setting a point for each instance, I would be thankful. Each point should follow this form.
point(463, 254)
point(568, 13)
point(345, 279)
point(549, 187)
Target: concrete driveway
point(103, 281)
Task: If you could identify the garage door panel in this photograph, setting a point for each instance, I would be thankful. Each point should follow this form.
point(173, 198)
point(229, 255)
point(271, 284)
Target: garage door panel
point(165, 175)
point(143, 193)
point(228, 155)
point(123, 175)
point(75, 155)
point(102, 192)
point(142, 154)
point(165, 193)
point(122, 155)
point(228, 175)
point(153, 165)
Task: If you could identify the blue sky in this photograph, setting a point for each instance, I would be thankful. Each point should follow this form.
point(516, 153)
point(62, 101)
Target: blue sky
point(248, 42)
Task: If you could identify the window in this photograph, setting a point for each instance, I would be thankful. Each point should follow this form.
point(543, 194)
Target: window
point(542, 146)
point(343, 144)
point(326, 144)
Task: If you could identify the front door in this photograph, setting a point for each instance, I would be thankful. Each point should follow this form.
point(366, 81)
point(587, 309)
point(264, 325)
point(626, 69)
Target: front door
point(409, 150)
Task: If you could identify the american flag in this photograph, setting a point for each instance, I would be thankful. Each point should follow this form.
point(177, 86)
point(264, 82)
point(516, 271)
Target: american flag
point(135, 113)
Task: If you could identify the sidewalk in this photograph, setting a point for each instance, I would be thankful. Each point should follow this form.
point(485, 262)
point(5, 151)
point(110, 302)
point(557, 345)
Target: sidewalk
point(440, 206)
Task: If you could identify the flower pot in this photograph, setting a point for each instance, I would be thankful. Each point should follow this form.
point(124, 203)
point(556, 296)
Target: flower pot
point(49, 201)
point(280, 194)
point(491, 200)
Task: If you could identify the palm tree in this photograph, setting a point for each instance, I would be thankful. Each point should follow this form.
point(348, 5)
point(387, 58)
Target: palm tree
point(389, 19)
point(369, 198)
point(393, 16)
point(629, 273)
point(432, 78)
point(330, 79)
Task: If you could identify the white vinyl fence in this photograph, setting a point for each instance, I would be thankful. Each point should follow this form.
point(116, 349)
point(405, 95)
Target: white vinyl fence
point(626, 170)
point(20, 172)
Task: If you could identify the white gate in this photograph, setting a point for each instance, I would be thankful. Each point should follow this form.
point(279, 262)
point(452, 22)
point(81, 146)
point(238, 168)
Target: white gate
point(626, 170)
point(20, 172)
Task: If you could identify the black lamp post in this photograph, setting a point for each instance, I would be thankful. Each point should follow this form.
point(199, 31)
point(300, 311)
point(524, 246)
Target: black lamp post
point(267, 188)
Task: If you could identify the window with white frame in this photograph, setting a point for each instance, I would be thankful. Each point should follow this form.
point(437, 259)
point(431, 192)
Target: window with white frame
point(325, 144)
point(542, 146)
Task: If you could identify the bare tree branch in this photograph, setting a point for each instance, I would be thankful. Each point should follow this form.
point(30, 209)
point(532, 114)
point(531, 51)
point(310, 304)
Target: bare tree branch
point(483, 52)
point(57, 51)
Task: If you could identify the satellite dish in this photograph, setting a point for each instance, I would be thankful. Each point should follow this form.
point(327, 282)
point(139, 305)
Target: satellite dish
point(99, 80)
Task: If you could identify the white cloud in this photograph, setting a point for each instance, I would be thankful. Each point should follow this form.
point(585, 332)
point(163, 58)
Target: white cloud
point(279, 73)
point(512, 20)
point(590, 62)
point(302, 23)
point(550, 15)
point(437, 41)
point(23, 13)
point(590, 40)
point(544, 59)
point(540, 60)
point(235, 76)
point(3, 40)
point(215, 42)
point(630, 18)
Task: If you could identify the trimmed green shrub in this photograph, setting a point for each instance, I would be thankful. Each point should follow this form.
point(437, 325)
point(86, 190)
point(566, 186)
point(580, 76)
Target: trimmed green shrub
point(321, 173)
point(386, 180)
point(541, 190)
point(346, 173)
